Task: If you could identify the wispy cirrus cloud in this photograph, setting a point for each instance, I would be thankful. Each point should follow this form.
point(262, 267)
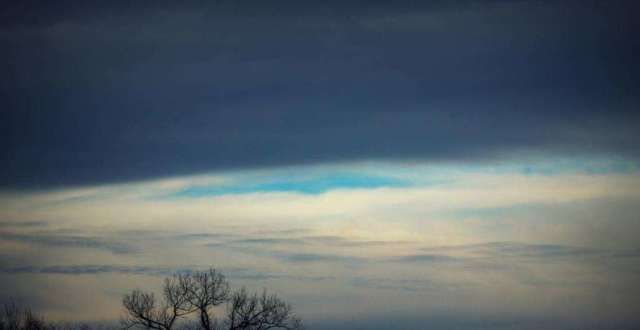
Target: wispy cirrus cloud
point(23, 224)
point(70, 241)
point(528, 250)
point(267, 241)
point(424, 258)
point(160, 271)
point(350, 242)
point(297, 258)
point(310, 241)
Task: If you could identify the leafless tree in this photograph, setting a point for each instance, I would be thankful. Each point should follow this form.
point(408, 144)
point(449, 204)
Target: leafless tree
point(260, 312)
point(144, 311)
point(15, 318)
point(204, 291)
point(200, 293)
point(11, 318)
point(33, 321)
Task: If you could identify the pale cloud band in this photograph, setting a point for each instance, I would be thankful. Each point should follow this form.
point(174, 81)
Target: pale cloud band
point(533, 232)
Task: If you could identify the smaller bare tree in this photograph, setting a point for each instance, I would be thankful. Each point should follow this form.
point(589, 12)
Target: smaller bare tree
point(260, 312)
point(11, 318)
point(204, 291)
point(15, 318)
point(144, 311)
point(201, 293)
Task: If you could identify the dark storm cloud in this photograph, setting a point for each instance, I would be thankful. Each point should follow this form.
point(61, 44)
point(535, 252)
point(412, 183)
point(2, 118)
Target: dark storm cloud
point(118, 91)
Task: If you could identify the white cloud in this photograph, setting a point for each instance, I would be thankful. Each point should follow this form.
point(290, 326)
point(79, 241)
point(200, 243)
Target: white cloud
point(474, 205)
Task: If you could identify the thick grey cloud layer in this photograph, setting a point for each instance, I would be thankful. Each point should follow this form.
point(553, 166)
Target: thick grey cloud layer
point(100, 93)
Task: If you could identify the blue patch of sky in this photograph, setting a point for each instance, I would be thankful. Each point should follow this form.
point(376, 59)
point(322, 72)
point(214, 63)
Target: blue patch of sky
point(317, 180)
point(304, 186)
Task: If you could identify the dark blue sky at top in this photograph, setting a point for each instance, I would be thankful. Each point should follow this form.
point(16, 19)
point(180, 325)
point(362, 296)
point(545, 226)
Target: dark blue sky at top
point(118, 91)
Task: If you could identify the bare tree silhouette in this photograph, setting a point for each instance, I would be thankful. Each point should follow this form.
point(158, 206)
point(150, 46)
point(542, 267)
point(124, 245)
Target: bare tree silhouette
point(14, 318)
point(260, 312)
point(204, 291)
point(200, 293)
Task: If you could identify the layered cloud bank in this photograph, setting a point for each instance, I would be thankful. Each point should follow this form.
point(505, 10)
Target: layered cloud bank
point(510, 244)
point(101, 94)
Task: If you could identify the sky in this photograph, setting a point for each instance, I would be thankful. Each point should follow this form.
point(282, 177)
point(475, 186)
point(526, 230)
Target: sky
point(381, 165)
